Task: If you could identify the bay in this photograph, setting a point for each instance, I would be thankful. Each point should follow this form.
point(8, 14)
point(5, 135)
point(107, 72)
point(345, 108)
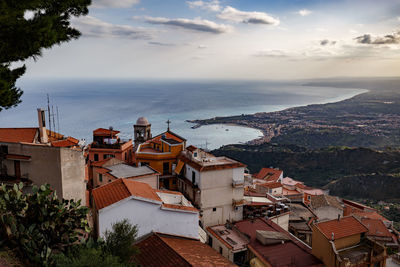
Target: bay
point(85, 105)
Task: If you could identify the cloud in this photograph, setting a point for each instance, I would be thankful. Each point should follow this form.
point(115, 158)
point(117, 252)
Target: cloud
point(114, 3)
point(161, 44)
point(304, 12)
point(272, 53)
point(327, 42)
point(387, 39)
point(212, 5)
point(232, 14)
point(200, 25)
point(93, 27)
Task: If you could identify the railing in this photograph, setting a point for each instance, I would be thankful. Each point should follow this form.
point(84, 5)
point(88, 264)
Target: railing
point(107, 146)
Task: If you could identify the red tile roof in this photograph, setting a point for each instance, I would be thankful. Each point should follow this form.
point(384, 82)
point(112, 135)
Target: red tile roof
point(269, 174)
point(103, 131)
point(272, 185)
point(168, 135)
point(376, 228)
point(191, 148)
point(120, 189)
point(346, 226)
point(70, 141)
point(179, 207)
point(17, 135)
point(171, 251)
point(100, 162)
point(370, 215)
point(282, 254)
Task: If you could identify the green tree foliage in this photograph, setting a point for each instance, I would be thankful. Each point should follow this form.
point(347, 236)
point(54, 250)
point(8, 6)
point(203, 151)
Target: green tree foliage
point(88, 254)
point(119, 241)
point(22, 37)
point(38, 224)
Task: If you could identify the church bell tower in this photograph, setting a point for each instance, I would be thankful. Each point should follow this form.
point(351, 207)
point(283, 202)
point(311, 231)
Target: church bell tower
point(142, 130)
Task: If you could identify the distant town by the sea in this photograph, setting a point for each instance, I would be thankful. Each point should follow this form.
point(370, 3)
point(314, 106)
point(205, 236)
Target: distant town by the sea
point(85, 105)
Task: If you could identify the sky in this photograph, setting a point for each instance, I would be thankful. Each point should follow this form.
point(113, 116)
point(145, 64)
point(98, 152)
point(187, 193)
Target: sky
point(229, 39)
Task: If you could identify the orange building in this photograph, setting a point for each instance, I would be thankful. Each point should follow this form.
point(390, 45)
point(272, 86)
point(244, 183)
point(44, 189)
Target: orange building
point(107, 144)
point(161, 153)
point(343, 243)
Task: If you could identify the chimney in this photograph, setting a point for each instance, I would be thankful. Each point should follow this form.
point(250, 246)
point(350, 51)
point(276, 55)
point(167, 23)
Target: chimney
point(42, 126)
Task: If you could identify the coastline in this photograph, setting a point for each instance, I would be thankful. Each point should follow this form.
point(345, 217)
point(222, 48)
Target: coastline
point(266, 133)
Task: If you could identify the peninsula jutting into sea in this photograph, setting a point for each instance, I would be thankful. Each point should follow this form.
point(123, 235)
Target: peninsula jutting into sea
point(370, 119)
point(199, 133)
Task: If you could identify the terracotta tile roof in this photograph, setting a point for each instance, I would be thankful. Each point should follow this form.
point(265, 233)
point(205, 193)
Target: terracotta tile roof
point(376, 228)
point(191, 148)
point(103, 131)
point(272, 185)
point(287, 192)
point(120, 189)
point(70, 141)
point(171, 251)
point(53, 136)
point(101, 170)
point(17, 135)
point(282, 254)
point(343, 227)
point(369, 215)
point(179, 207)
point(269, 174)
point(168, 135)
point(100, 162)
point(319, 201)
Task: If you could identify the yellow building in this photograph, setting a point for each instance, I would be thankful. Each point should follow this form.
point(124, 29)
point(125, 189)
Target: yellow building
point(161, 153)
point(342, 243)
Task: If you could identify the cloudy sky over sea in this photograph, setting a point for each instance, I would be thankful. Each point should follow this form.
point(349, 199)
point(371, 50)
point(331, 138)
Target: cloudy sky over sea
point(229, 39)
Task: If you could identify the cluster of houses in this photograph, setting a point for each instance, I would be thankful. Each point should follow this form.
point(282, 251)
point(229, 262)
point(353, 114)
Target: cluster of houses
point(193, 208)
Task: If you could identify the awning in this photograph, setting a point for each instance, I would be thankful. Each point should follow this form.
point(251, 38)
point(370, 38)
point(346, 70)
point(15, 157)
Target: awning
point(18, 157)
point(178, 168)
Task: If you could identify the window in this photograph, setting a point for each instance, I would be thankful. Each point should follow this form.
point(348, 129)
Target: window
point(309, 197)
point(100, 177)
point(210, 241)
point(193, 177)
point(3, 149)
point(195, 154)
point(214, 209)
point(220, 250)
point(96, 157)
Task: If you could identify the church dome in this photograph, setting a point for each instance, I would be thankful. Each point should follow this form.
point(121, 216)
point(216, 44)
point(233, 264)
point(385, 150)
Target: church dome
point(142, 121)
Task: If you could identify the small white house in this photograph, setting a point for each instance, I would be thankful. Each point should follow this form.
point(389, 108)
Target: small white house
point(151, 210)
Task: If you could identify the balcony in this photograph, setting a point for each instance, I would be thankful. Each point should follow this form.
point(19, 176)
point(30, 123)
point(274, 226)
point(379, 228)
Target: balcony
point(238, 184)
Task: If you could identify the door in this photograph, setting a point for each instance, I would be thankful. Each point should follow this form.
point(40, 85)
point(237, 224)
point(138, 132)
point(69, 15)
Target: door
point(166, 168)
point(17, 169)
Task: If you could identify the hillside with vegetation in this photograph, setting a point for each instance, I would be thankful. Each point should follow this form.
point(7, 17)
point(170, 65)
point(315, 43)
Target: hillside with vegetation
point(357, 173)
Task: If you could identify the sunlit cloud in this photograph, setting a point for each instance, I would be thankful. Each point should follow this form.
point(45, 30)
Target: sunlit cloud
point(254, 17)
point(114, 3)
point(304, 12)
point(200, 25)
point(94, 27)
point(212, 5)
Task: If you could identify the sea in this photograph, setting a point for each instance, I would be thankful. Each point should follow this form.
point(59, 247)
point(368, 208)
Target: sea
point(85, 105)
